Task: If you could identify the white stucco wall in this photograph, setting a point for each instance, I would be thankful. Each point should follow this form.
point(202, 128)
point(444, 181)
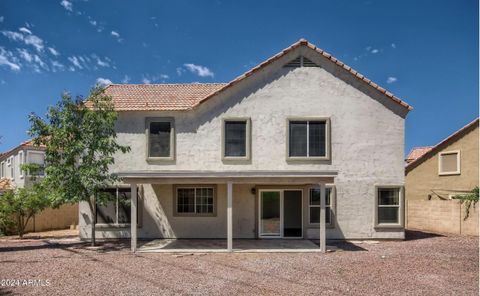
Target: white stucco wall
point(367, 139)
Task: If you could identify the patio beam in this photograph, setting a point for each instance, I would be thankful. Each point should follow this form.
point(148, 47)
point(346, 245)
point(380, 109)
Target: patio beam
point(133, 217)
point(229, 217)
point(323, 240)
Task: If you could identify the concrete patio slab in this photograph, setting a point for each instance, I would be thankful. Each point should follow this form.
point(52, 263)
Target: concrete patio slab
point(220, 246)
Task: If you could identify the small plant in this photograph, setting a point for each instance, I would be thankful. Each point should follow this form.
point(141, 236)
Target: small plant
point(468, 199)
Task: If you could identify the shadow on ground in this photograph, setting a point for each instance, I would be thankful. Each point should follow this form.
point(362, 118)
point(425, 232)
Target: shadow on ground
point(411, 235)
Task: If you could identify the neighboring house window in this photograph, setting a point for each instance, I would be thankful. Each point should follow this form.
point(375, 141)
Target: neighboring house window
point(21, 160)
point(160, 138)
point(2, 169)
point(8, 164)
point(38, 158)
point(389, 206)
point(308, 139)
point(236, 138)
point(12, 167)
point(116, 211)
point(449, 163)
point(195, 201)
point(314, 205)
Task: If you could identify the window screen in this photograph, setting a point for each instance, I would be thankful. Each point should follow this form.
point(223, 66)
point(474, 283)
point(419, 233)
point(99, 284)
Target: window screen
point(449, 162)
point(314, 205)
point(388, 205)
point(307, 138)
point(160, 139)
point(39, 159)
point(117, 207)
point(195, 200)
point(235, 138)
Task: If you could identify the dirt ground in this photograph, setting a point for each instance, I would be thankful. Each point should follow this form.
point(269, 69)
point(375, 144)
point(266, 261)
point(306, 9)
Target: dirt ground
point(424, 264)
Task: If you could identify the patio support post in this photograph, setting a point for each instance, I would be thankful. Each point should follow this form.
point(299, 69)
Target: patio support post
point(133, 217)
point(323, 240)
point(229, 217)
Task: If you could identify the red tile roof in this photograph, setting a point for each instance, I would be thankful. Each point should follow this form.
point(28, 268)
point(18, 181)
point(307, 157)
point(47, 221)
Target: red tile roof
point(159, 96)
point(175, 97)
point(453, 137)
point(5, 184)
point(417, 152)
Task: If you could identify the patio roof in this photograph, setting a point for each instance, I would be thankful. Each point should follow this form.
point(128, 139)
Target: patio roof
point(182, 176)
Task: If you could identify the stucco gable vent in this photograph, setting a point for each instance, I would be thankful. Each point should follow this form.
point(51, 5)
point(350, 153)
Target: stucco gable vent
point(300, 62)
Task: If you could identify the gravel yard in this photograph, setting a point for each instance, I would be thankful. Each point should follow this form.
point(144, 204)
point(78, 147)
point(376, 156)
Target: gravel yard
point(422, 265)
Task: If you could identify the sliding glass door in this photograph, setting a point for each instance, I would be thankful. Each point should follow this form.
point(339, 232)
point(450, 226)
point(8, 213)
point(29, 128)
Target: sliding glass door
point(270, 209)
point(280, 213)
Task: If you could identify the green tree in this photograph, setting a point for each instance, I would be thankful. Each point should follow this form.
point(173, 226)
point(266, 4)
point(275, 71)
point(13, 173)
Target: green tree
point(468, 199)
point(18, 206)
point(80, 142)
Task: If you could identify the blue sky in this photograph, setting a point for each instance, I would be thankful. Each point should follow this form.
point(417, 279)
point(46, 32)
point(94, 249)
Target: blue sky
point(425, 52)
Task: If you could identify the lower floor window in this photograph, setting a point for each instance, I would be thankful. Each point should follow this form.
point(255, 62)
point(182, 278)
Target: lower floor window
point(114, 206)
point(195, 200)
point(388, 205)
point(314, 205)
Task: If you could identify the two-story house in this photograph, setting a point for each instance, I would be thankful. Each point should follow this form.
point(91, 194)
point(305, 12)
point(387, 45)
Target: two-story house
point(301, 146)
point(12, 176)
point(11, 162)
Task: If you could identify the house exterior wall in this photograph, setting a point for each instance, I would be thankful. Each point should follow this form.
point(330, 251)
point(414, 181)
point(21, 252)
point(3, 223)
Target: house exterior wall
point(424, 180)
point(367, 141)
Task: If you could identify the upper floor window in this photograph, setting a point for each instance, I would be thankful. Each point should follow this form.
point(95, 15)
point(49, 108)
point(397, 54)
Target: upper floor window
point(21, 161)
point(38, 158)
point(449, 163)
point(308, 139)
point(2, 169)
point(12, 167)
point(236, 138)
point(160, 138)
point(389, 206)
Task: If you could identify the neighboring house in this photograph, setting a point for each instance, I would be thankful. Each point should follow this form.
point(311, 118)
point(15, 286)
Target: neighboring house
point(436, 175)
point(301, 146)
point(12, 176)
point(417, 152)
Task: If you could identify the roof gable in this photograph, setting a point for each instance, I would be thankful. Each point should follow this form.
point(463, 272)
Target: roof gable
point(179, 97)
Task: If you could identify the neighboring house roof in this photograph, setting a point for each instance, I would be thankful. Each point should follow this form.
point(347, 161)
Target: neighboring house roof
point(26, 144)
point(417, 152)
point(450, 139)
point(5, 184)
point(176, 97)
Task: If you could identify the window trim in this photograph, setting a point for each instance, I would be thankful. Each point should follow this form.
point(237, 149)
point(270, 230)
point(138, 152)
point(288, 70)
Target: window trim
point(194, 186)
point(327, 138)
point(148, 121)
point(248, 139)
point(333, 205)
point(401, 207)
point(443, 173)
point(122, 225)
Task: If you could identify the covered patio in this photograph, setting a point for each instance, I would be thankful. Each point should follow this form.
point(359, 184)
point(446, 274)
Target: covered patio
point(230, 179)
